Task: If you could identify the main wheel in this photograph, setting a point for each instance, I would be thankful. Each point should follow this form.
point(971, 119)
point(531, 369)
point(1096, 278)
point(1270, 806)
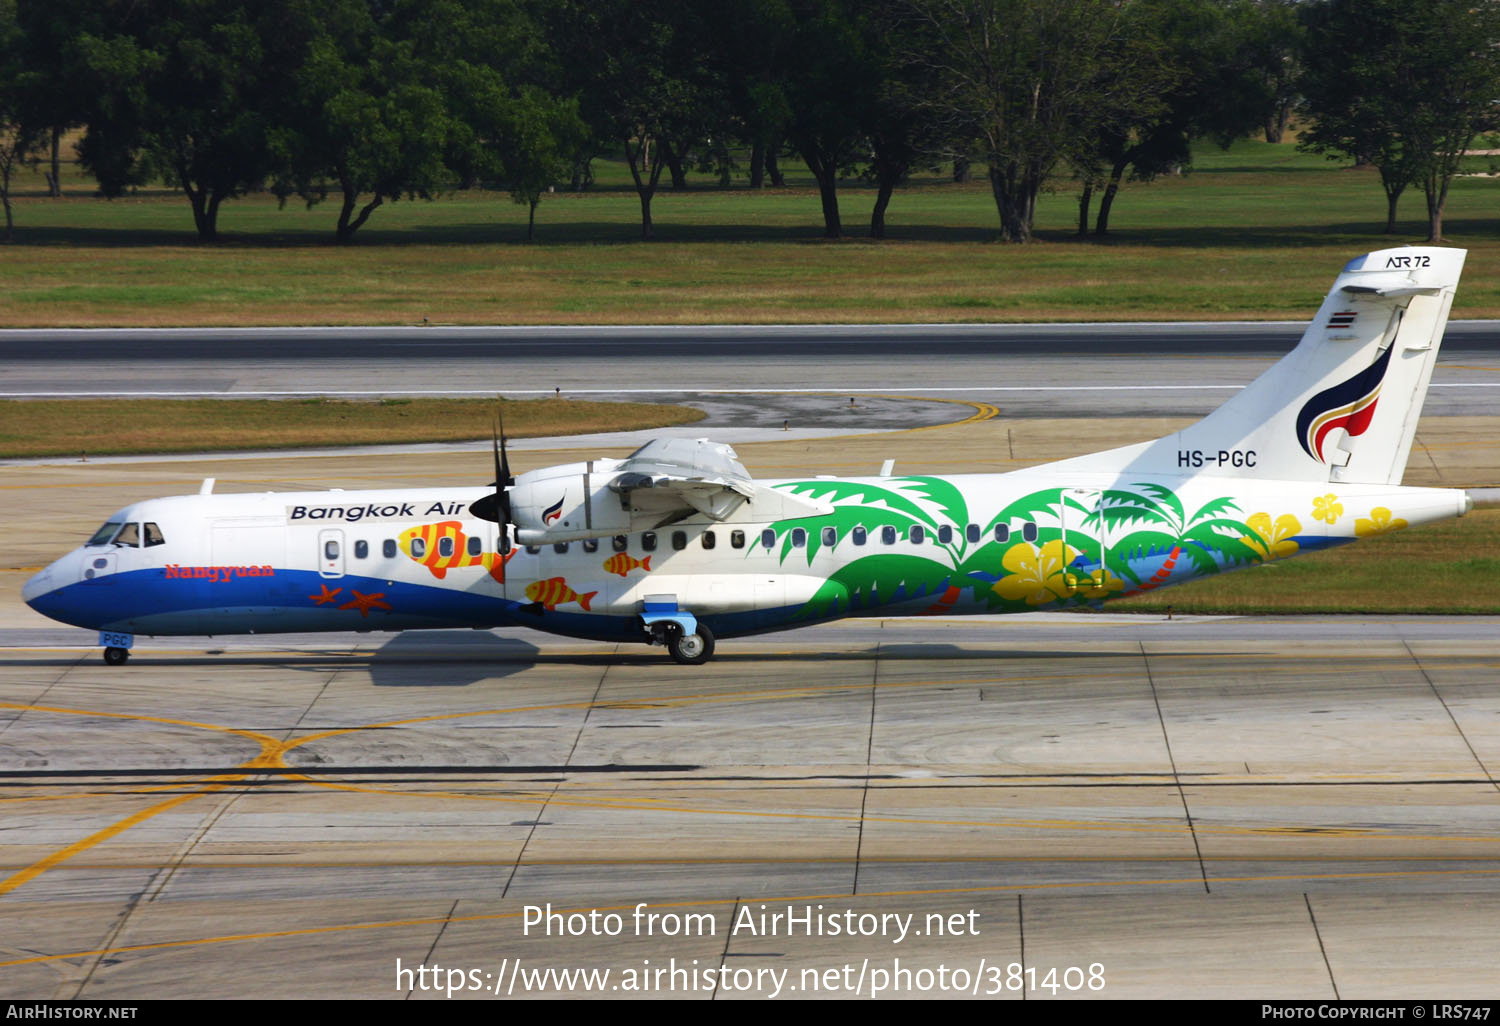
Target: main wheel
point(692, 649)
point(116, 656)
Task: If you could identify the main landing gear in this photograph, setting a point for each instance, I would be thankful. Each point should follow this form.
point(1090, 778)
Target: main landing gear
point(116, 656)
point(690, 648)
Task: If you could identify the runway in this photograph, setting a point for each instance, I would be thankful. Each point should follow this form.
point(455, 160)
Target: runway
point(1214, 808)
point(1094, 370)
point(1297, 808)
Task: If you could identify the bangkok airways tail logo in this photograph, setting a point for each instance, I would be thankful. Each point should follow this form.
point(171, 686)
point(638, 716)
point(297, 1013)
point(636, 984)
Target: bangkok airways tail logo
point(1349, 405)
point(554, 511)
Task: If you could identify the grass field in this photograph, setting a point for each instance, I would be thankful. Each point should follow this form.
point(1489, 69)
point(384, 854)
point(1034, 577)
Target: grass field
point(1256, 233)
point(111, 426)
point(1448, 567)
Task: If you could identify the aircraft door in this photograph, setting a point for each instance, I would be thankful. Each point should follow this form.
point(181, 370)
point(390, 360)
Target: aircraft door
point(1086, 540)
point(331, 552)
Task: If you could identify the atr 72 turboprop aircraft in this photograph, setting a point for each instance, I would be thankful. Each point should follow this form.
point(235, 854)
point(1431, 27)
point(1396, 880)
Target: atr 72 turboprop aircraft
point(678, 545)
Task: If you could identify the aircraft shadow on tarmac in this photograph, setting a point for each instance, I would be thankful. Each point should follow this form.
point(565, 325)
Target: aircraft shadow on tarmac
point(448, 659)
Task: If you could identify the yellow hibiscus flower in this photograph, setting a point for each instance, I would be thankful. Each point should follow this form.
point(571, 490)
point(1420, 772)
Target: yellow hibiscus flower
point(1327, 508)
point(1109, 584)
point(1036, 575)
point(1380, 522)
point(1272, 541)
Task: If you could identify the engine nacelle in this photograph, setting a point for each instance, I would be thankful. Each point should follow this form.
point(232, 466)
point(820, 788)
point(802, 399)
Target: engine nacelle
point(566, 503)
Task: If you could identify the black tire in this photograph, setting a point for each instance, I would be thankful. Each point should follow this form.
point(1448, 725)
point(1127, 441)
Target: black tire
point(692, 649)
point(116, 656)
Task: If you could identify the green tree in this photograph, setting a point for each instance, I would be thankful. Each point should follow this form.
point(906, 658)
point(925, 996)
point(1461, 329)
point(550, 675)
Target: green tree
point(1423, 82)
point(57, 81)
point(541, 135)
point(17, 137)
point(643, 79)
point(364, 115)
point(831, 85)
point(185, 90)
point(1029, 78)
point(1348, 100)
point(1144, 115)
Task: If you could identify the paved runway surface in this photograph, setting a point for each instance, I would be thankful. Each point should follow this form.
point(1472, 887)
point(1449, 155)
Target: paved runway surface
point(1027, 370)
point(1214, 808)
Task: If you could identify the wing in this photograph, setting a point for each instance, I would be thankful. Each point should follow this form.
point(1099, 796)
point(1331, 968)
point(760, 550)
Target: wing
point(662, 482)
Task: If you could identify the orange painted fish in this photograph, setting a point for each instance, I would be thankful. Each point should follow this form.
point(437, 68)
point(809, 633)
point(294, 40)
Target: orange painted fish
point(554, 591)
point(622, 564)
point(448, 536)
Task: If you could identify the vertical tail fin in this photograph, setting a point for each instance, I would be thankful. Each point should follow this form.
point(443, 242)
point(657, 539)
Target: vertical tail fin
point(1341, 406)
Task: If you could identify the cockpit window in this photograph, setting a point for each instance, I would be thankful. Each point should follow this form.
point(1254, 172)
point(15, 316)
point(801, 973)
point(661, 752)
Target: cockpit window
point(130, 535)
point(104, 534)
point(153, 535)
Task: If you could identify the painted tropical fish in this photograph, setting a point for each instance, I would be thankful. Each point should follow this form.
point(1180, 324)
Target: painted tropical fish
point(554, 591)
point(432, 546)
point(622, 563)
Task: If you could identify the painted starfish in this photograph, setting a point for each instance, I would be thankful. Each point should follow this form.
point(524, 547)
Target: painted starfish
point(364, 603)
point(327, 595)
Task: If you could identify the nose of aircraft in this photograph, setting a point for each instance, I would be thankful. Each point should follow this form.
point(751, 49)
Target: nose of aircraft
point(47, 581)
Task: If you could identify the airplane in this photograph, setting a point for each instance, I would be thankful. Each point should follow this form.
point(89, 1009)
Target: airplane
point(677, 545)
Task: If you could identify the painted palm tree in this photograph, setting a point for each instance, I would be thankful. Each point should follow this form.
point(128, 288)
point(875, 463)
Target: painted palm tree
point(882, 577)
point(1155, 523)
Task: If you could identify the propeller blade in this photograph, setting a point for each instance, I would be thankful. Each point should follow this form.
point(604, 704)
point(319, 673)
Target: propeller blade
point(495, 507)
point(502, 472)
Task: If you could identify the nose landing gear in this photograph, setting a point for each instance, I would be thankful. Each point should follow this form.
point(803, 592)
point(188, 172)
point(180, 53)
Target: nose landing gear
point(116, 656)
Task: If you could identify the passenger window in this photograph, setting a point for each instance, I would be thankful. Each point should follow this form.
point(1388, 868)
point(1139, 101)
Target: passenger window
point(330, 549)
point(591, 545)
point(388, 548)
point(648, 541)
point(619, 543)
point(1002, 533)
point(418, 548)
point(475, 546)
point(917, 534)
point(130, 535)
point(737, 539)
point(830, 535)
point(679, 540)
point(859, 534)
point(708, 539)
point(1028, 531)
point(445, 547)
point(361, 549)
point(888, 535)
point(768, 538)
point(559, 547)
point(945, 535)
point(799, 538)
point(973, 532)
point(153, 536)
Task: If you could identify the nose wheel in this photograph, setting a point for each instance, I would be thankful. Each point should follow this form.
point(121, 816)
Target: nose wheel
point(116, 656)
